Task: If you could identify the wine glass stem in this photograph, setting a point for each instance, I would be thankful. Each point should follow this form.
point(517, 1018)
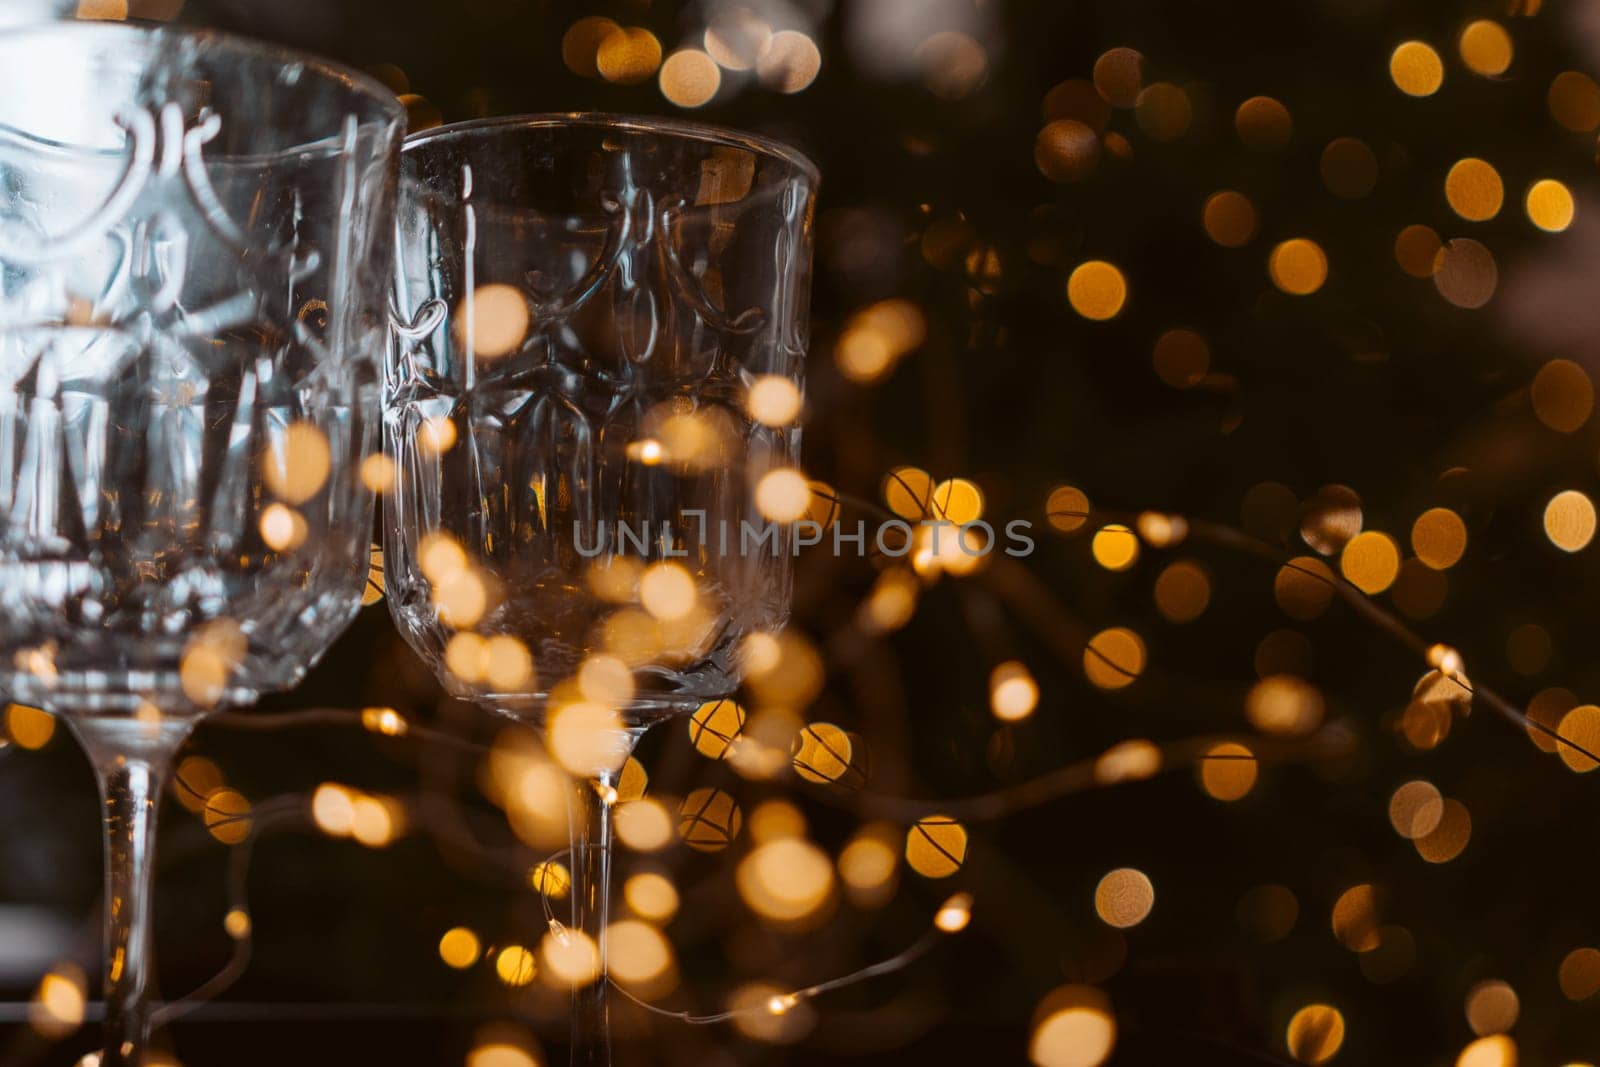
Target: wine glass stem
point(590, 829)
point(131, 760)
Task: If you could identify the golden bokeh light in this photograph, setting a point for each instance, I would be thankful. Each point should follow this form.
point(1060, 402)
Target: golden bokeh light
point(580, 45)
point(1114, 658)
point(1415, 809)
point(1580, 727)
point(436, 435)
point(956, 500)
point(1562, 395)
point(1115, 547)
point(773, 400)
point(786, 881)
point(1370, 561)
point(1228, 771)
point(378, 472)
point(1072, 1027)
point(460, 948)
point(643, 825)
point(1304, 587)
point(1163, 111)
point(1066, 150)
point(1229, 218)
point(1182, 591)
point(1124, 898)
point(1417, 249)
point(1569, 520)
point(1284, 705)
point(1355, 918)
point(651, 896)
point(571, 958)
point(587, 739)
point(1465, 273)
point(57, 1006)
point(1315, 1033)
point(297, 462)
point(1497, 1050)
point(1492, 1007)
point(822, 753)
point(1013, 693)
point(507, 664)
point(714, 726)
point(1474, 189)
point(1067, 510)
point(1550, 205)
point(1118, 76)
point(690, 78)
point(1574, 101)
point(30, 728)
point(1263, 123)
point(1579, 974)
point(783, 495)
point(1097, 290)
point(936, 846)
point(638, 957)
point(1298, 266)
point(868, 865)
point(1449, 838)
point(1416, 69)
point(1439, 538)
point(709, 820)
point(789, 62)
point(494, 321)
point(1127, 761)
point(1486, 47)
point(628, 55)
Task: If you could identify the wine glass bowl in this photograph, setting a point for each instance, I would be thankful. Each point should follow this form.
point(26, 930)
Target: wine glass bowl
point(585, 304)
point(194, 240)
point(189, 226)
point(592, 401)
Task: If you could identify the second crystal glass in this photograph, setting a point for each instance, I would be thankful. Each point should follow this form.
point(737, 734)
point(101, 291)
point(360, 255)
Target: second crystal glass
point(194, 235)
point(592, 401)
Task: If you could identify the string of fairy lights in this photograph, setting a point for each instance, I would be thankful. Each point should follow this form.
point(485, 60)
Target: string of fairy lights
point(784, 879)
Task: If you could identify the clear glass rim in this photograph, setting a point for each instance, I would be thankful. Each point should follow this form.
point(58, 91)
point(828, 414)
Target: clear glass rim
point(352, 80)
point(664, 127)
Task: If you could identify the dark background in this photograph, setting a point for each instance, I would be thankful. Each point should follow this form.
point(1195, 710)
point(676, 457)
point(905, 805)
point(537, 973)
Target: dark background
point(1374, 382)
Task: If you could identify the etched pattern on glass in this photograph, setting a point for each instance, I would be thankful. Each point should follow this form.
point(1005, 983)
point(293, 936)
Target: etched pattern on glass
point(164, 328)
point(611, 431)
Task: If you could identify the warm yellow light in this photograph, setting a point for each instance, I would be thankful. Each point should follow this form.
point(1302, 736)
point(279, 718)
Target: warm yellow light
point(1486, 47)
point(1439, 538)
point(1013, 694)
point(588, 740)
point(643, 825)
point(1315, 1034)
point(515, 965)
point(1492, 1007)
point(822, 753)
point(31, 728)
point(954, 914)
point(936, 846)
point(638, 956)
point(1072, 1027)
point(1416, 69)
point(628, 56)
point(773, 400)
point(1114, 658)
point(1229, 218)
point(1550, 206)
point(1097, 290)
point(1115, 547)
point(459, 948)
point(571, 958)
point(709, 820)
point(297, 462)
point(1474, 189)
point(690, 78)
point(1569, 520)
point(651, 896)
point(785, 881)
point(1124, 898)
point(789, 62)
point(498, 318)
point(782, 495)
point(377, 472)
point(1228, 771)
point(1370, 561)
point(1298, 266)
point(1497, 1050)
point(283, 529)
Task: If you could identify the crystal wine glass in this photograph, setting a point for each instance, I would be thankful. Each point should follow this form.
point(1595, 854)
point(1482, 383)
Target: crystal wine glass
point(195, 235)
point(595, 378)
